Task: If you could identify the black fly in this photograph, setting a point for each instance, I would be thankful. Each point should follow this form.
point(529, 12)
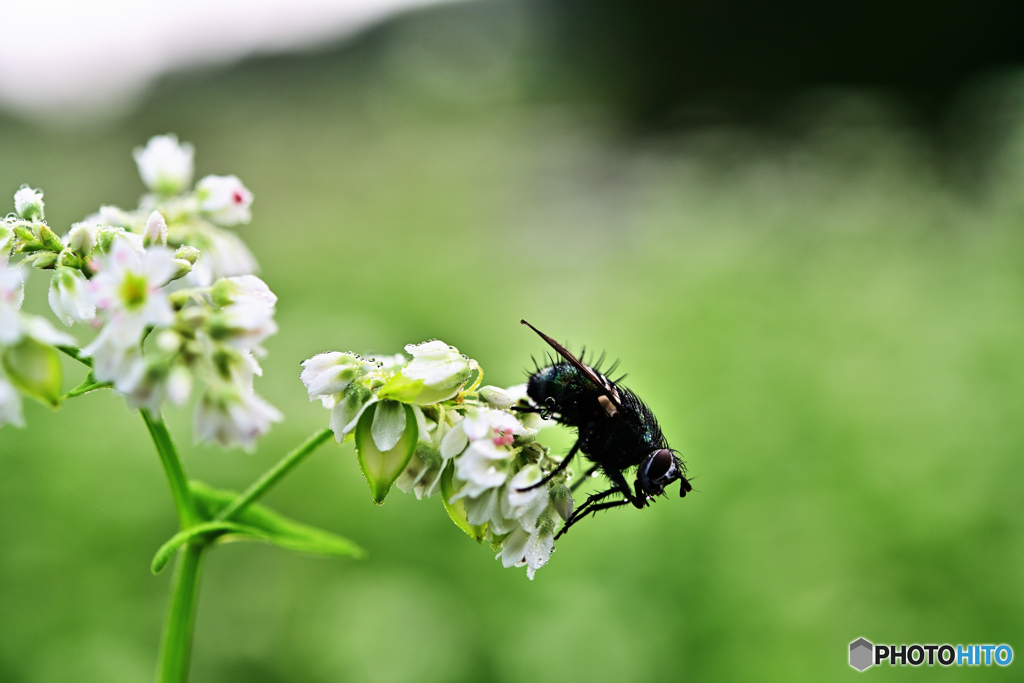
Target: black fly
point(616, 432)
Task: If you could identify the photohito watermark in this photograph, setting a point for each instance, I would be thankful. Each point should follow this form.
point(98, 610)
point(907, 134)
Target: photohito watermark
point(864, 654)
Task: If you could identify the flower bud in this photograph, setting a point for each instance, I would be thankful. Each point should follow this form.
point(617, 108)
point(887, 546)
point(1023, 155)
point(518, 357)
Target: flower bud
point(45, 260)
point(114, 217)
point(182, 268)
point(561, 498)
point(224, 199)
point(155, 231)
point(83, 237)
point(242, 289)
point(498, 398)
point(28, 203)
point(192, 317)
point(49, 239)
point(165, 165)
point(436, 373)
point(168, 341)
point(69, 297)
point(35, 369)
point(331, 373)
point(187, 253)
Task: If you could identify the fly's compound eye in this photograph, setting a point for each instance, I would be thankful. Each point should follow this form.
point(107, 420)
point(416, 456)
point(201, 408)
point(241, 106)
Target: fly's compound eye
point(658, 471)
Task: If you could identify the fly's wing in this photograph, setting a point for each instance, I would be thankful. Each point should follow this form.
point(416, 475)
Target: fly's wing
point(602, 385)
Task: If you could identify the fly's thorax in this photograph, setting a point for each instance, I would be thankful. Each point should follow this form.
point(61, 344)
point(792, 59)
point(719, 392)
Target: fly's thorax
point(565, 390)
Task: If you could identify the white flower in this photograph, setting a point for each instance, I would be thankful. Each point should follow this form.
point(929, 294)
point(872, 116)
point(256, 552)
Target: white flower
point(435, 373)
point(499, 398)
point(224, 254)
point(231, 417)
point(12, 294)
point(486, 509)
point(243, 325)
point(83, 237)
point(389, 363)
point(28, 203)
point(128, 290)
point(155, 231)
point(328, 374)
point(148, 383)
point(242, 289)
point(517, 394)
point(113, 216)
point(423, 474)
point(347, 408)
point(10, 405)
point(14, 325)
point(116, 355)
point(129, 285)
point(525, 506)
point(165, 164)
point(70, 297)
point(530, 548)
point(482, 442)
point(224, 199)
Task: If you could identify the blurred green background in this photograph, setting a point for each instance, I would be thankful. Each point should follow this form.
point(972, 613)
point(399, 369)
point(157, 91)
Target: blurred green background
point(826, 312)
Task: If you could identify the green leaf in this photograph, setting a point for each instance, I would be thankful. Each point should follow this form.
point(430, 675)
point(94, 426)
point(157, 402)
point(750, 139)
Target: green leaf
point(88, 384)
point(401, 388)
point(35, 369)
point(382, 468)
point(457, 510)
point(262, 523)
point(209, 529)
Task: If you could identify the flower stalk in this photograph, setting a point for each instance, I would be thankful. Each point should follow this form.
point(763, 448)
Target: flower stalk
point(271, 477)
point(176, 646)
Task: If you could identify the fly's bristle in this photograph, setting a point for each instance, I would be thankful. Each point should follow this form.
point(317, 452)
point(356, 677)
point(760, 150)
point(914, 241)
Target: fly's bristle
point(613, 366)
point(600, 361)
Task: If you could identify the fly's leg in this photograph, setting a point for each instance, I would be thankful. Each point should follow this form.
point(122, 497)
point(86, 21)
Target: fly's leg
point(590, 510)
point(581, 511)
point(584, 478)
point(562, 465)
point(639, 500)
point(594, 498)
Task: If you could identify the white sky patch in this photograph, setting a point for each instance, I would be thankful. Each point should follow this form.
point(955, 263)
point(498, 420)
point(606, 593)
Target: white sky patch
point(65, 59)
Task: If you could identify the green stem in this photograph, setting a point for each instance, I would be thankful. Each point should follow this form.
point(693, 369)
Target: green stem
point(274, 475)
point(183, 501)
point(176, 648)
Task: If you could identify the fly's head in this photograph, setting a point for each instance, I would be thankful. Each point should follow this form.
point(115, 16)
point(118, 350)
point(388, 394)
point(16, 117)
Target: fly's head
point(659, 469)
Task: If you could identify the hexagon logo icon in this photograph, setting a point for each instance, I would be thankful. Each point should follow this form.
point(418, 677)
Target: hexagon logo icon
point(861, 654)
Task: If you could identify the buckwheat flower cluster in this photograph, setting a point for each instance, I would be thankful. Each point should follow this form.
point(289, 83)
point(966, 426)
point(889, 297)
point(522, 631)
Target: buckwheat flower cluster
point(416, 425)
point(195, 217)
point(169, 317)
